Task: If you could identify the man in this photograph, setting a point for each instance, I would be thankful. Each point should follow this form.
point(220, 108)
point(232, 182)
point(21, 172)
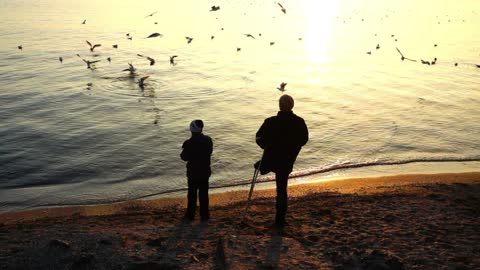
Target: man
point(197, 152)
point(281, 136)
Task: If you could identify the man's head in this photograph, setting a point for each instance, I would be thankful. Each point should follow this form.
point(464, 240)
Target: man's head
point(196, 126)
point(286, 103)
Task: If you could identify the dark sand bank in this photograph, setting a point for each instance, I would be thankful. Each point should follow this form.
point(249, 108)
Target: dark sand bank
point(395, 222)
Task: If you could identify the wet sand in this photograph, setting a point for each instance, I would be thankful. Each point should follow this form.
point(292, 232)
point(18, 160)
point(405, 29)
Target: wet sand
point(396, 222)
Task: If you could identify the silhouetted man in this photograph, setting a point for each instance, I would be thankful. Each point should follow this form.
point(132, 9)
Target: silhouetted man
point(197, 152)
point(281, 136)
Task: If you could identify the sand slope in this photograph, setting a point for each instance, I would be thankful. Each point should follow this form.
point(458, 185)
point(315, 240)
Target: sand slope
point(372, 226)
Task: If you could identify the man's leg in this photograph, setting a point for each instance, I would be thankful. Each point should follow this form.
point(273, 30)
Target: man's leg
point(192, 199)
point(203, 197)
point(281, 180)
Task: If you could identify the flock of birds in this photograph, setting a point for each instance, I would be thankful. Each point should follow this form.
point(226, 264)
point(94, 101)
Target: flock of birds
point(132, 70)
point(141, 82)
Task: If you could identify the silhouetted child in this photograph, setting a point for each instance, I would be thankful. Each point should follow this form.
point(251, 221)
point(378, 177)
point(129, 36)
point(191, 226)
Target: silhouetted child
point(197, 151)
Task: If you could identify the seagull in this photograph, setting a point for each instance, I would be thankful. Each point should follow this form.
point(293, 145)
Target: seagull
point(434, 61)
point(369, 52)
point(130, 38)
point(60, 59)
point(215, 8)
point(435, 45)
point(20, 47)
point(272, 43)
point(141, 82)
point(94, 46)
point(403, 57)
point(456, 64)
point(249, 35)
point(109, 60)
point(478, 66)
point(127, 34)
point(425, 62)
point(84, 21)
point(130, 69)
point(172, 59)
point(152, 61)
point(239, 49)
point(283, 9)
point(151, 14)
point(212, 37)
point(155, 35)
point(88, 62)
point(189, 39)
point(378, 46)
point(115, 46)
point(282, 87)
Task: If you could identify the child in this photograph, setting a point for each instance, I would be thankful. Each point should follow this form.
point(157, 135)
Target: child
point(196, 152)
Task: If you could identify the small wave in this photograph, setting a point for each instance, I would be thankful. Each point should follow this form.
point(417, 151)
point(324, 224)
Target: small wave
point(352, 165)
point(328, 168)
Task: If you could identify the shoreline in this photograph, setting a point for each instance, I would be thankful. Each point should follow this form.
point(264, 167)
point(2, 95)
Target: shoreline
point(416, 221)
point(226, 196)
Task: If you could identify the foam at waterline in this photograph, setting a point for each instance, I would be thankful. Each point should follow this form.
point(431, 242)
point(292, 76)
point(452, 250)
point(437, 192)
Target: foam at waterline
point(328, 168)
point(300, 173)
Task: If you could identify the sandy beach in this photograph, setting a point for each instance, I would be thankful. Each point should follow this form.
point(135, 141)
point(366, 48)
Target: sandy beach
point(396, 222)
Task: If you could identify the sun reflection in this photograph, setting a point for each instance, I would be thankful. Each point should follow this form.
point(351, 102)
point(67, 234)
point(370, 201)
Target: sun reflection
point(319, 18)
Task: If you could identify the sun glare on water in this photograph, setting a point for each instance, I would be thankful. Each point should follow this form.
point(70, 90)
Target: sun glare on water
point(319, 17)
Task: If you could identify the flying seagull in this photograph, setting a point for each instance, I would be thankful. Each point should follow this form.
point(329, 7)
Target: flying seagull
point(60, 59)
point(152, 61)
point(425, 62)
point(109, 60)
point(92, 47)
point(378, 46)
point(155, 35)
point(478, 66)
point(141, 82)
point(239, 49)
point(403, 57)
point(282, 87)
point(272, 43)
point(84, 21)
point(283, 9)
point(215, 8)
point(189, 39)
point(115, 46)
point(172, 59)
point(212, 37)
point(20, 47)
point(88, 62)
point(151, 14)
point(250, 36)
point(130, 69)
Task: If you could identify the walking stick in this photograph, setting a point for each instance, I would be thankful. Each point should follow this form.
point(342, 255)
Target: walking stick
point(252, 185)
